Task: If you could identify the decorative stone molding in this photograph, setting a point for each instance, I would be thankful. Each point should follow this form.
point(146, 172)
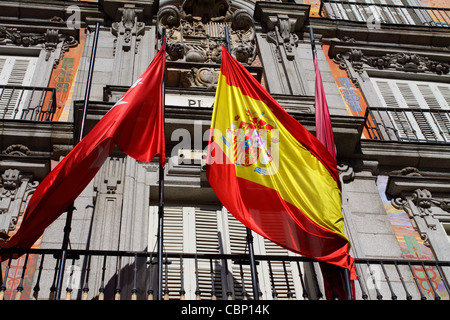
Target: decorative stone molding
point(196, 31)
point(283, 21)
point(50, 39)
point(17, 150)
point(360, 61)
point(423, 210)
point(129, 25)
point(15, 189)
point(346, 172)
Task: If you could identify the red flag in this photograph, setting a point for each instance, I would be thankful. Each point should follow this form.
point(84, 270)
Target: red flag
point(333, 276)
point(324, 131)
point(135, 123)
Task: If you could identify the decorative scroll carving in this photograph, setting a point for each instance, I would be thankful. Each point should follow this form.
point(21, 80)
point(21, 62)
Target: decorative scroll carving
point(422, 199)
point(284, 35)
point(50, 39)
point(17, 150)
point(15, 189)
point(196, 32)
point(345, 171)
point(410, 171)
point(129, 26)
point(407, 62)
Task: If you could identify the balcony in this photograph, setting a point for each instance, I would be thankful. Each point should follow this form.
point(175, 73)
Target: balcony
point(126, 275)
point(408, 124)
point(27, 103)
point(375, 14)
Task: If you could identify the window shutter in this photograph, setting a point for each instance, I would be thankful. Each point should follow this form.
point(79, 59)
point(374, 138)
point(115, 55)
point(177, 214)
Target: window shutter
point(278, 273)
point(431, 124)
point(14, 71)
point(209, 273)
point(173, 242)
point(409, 92)
point(398, 119)
point(242, 280)
point(444, 92)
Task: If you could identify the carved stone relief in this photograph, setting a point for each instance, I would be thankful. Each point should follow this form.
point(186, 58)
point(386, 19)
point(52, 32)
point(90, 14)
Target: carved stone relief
point(359, 61)
point(196, 31)
point(15, 189)
point(195, 34)
point(50, 39)
point(129, 26)
point(283, 36)
point(422, 208)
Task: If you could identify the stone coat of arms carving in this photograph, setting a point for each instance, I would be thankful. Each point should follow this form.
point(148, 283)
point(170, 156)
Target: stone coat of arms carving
point(195, 34)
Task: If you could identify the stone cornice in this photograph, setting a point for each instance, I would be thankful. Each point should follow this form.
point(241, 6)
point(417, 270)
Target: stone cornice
point(31, 10)
point(423, 36)
point(406, 154)
point(347, 129)
point(401, 186)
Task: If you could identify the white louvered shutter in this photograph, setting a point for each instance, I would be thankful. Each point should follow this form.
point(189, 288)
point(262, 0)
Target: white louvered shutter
point(432, 124)
point(284, 278)
point(14, 71)
point(242, 280)
point(174, 222)
point(280, 277)
point(208, 238)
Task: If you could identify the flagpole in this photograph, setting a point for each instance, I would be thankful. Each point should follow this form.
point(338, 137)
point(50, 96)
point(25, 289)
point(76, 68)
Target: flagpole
point(347, 280)
point(249, 237)
point(313, 45)
point(161, 192)
point(67, 227)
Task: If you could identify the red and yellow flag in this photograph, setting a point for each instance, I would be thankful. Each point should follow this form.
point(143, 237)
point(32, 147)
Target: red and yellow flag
point(271, 173)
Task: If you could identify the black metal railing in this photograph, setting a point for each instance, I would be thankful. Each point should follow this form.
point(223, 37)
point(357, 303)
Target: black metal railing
point(27, 103)
point(408, 124)
point(375, 14)
point(126, 275)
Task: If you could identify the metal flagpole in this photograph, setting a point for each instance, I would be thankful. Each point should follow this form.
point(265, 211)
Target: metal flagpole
point(249, 232)
point(161, 193)
point(67, 227)
point(313, 45)
point(346, 271)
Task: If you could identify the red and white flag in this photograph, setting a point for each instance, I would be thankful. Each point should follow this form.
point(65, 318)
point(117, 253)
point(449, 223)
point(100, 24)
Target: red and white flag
point(135, 124)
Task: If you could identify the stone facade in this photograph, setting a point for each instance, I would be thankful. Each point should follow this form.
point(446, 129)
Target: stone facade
point(118, 210)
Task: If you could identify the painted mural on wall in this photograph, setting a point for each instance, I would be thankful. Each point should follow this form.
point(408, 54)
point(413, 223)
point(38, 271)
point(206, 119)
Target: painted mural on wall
point(314, 11)
point(18, 287)
point(411, 245)
point(63, 79)
point(351, 95)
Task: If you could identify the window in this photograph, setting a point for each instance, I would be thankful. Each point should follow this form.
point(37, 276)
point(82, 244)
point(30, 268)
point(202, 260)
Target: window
point(14, 71)
point(213, 230)
point(417, 110)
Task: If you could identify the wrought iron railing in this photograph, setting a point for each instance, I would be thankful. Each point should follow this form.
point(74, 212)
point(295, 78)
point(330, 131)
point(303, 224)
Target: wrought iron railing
point(408, 124)
point(375, 14)
point(27, 103)
point(114, 275)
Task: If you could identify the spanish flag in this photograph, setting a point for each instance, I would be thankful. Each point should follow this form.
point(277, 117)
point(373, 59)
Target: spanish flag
point(271, 173)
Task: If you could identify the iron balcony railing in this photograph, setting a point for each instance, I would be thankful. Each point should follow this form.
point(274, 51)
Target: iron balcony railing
point(125, 275)
point(27, 103)
point(408, 124)
point(375, 14)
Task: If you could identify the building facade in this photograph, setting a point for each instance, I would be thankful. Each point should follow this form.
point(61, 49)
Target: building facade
point(385, 69)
